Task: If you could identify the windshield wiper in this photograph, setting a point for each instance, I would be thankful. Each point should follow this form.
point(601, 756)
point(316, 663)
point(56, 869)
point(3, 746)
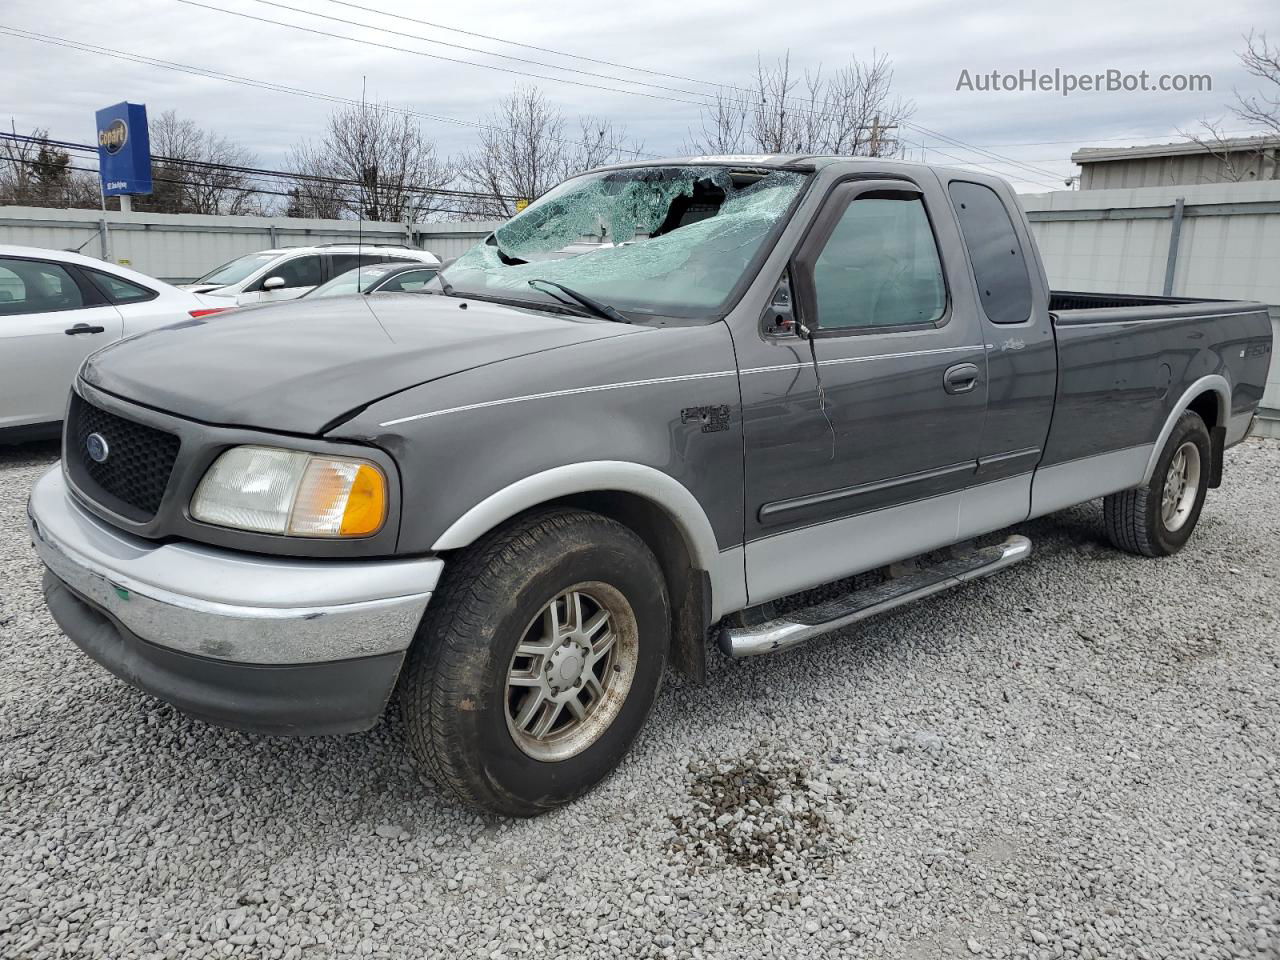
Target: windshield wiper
point(595, 306)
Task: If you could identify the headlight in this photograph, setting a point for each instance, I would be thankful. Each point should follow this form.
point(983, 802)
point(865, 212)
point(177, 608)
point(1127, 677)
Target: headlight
point(269, 490)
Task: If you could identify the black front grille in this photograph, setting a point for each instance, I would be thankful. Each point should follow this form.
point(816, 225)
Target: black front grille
point(139, 459)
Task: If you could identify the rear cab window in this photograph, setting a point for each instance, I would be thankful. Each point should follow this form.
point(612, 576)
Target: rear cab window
point(999, 264)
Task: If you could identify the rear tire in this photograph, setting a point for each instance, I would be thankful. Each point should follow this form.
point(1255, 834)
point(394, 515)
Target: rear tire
point(1157, 518)
point(537, 662)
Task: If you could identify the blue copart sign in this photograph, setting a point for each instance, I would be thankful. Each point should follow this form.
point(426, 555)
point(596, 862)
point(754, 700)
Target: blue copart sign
point(124, 149)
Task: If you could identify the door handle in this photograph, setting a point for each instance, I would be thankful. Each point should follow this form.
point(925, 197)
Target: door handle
point(83, 328)
point(961, 378)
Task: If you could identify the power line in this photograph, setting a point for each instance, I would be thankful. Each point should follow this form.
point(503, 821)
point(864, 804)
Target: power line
point(988, 167)
point(259, 171)
point(968, 146)
point(256, 190)
point(272, 86)
point(316, 95)
point(437, 56)
point(526, 46)
point(459, 46)
point(1025, 165)
point(1077, 140)
point(700, 104)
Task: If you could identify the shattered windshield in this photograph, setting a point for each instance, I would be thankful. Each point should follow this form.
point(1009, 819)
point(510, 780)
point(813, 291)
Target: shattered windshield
point(667, 241)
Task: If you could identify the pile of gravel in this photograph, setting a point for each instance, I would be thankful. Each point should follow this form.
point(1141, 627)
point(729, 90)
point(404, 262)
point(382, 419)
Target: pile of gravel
point(1078, 758)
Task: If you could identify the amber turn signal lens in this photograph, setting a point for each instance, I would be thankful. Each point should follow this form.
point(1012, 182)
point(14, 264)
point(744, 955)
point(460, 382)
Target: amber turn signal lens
point(366, 508)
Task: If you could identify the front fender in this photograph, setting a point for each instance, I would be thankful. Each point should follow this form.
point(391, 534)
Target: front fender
point(655, 415)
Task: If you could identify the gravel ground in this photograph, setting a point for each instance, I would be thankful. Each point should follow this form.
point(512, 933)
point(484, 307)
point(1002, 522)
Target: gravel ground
point(1075, 758)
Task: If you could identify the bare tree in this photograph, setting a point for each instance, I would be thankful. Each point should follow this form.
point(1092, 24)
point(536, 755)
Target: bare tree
point(374, 162)
point(1241, 159)
point(1237, 160)
point(317, 193)
point(724, 125)
point(35, 173)
point(526, 148)
point(1261, 60)
point(193, 171)
point(852, 111)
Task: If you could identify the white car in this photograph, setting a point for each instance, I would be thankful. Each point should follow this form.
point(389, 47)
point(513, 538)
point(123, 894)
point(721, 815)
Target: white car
point(56, 308)
point(289, 272)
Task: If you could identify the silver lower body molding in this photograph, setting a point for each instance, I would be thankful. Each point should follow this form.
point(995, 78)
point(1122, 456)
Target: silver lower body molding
point(801, 625)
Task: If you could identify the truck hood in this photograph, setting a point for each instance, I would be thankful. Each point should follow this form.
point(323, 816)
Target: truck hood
point(300, 365)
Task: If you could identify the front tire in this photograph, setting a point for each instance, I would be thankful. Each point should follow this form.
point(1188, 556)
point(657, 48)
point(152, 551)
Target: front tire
point(538, 661)
point(1158, 518)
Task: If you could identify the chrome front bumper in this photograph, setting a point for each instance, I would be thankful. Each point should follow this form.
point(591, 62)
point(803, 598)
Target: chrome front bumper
point(229, 606)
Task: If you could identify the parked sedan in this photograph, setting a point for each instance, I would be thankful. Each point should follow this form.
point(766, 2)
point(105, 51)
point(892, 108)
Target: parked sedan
point(55, 309)
point(377, 277)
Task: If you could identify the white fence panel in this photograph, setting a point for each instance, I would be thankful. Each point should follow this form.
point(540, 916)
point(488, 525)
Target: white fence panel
point(180, 247)
point(1118, 241)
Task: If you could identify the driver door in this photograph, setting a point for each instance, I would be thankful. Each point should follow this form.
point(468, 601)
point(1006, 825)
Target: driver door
point(870, 468)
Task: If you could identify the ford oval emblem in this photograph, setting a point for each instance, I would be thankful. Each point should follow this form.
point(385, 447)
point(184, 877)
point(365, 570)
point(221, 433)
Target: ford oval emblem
point(96, 446)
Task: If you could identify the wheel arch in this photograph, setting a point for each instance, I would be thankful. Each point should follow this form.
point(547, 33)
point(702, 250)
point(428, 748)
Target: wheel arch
point(703, 582)
point(1210, 397)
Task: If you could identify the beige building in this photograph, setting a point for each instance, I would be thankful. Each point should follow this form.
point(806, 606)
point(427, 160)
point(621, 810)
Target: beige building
point(1238, 160)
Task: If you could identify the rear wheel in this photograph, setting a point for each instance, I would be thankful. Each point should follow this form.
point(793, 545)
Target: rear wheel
point(538, 661)
point(1156, 519)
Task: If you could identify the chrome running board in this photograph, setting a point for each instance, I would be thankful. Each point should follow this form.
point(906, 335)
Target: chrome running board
point(801, 625)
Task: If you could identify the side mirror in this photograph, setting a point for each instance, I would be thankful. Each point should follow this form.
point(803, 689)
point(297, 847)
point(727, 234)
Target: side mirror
point(273, 283)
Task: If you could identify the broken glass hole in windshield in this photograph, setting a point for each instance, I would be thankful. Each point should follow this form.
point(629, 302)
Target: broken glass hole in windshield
point(654, 240)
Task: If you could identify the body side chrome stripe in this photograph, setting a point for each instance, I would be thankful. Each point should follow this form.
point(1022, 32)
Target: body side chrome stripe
point(559, 393)
point(878, 356)
point(571, 391)
point(1118, 320)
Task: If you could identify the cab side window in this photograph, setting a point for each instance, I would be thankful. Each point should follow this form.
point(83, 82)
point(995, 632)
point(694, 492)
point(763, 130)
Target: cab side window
point(32, 286)
point(880, 268)
point(298, 272)
point(999, 267)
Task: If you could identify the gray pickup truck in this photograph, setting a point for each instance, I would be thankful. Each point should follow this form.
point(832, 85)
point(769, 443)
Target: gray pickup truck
point(663, 404)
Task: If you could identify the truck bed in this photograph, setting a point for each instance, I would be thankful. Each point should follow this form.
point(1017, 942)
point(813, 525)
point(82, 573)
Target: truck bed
point(1070, 301)
point(1124, 361)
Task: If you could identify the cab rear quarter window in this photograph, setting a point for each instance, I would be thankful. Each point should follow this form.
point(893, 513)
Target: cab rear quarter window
point(999, 264)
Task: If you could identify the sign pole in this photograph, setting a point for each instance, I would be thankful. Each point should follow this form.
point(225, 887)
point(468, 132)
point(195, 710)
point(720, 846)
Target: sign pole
point(124, 159)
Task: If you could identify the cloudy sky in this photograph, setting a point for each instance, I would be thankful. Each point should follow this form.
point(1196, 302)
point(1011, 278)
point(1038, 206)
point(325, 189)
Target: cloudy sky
point(930, 42)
